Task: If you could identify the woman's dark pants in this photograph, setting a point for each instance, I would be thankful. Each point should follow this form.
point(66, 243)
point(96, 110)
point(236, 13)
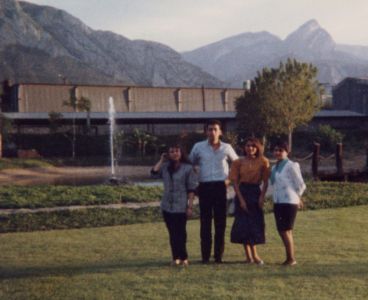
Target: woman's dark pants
point(176, 225)
point(212, 203)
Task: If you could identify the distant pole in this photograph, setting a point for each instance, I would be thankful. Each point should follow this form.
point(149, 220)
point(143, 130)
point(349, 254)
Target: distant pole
point(203, 98)
point(339, 166)
point(315, 159)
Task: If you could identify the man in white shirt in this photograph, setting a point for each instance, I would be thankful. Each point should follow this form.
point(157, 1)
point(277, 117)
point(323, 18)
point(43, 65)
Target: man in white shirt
point(212, 156)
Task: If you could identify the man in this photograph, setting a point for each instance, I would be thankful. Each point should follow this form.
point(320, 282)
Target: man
point(212, 156)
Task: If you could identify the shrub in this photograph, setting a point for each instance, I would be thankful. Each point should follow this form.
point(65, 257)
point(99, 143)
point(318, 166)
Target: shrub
point(327, 137)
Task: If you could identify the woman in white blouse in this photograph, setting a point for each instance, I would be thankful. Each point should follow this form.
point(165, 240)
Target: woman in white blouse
point(288, 187)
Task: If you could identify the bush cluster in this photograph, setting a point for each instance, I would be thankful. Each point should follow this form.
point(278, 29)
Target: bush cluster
point(52, 196)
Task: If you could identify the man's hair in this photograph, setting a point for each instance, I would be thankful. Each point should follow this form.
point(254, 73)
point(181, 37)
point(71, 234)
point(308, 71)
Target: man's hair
point(214, 122)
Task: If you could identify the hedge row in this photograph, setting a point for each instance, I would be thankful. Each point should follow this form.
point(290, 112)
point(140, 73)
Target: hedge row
point(319, 195)
point(81, 218)
point(52, 196)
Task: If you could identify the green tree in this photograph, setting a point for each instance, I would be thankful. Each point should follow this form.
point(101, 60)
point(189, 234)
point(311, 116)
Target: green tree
point(5, 127)
point(280, 99)
point(55, 120)
point(141, 139)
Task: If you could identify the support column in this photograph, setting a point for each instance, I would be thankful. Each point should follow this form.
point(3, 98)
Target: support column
point(203, 98)
point(130, 99)
point(225, 100)
point(339, 166)
point(315, 159)
point(179, 101)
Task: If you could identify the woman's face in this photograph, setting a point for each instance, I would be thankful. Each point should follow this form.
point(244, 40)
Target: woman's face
point(174, 154)
point(250, 149)
point(279, 153)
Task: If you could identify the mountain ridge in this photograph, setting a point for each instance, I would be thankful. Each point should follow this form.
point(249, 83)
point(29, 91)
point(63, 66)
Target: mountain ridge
point(309, 43)
point(58, 34)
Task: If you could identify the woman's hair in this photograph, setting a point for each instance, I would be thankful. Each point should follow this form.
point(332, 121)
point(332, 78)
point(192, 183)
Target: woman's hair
point(281, 145)
point(257, 143)
point(183, 158)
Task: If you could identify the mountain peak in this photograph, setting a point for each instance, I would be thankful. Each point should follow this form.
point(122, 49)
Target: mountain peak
point(310, 36)
point(310, 25)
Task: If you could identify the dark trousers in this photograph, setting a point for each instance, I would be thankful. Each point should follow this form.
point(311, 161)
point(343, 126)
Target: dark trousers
point(212, 203)
point(176, 225)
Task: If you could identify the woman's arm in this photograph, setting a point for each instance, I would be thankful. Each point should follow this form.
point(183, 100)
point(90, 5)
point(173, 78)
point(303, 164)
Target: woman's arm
point(262, 197)
point(155, 171)
point(297, 182)
point(234, 177)
point(190, 204)
point(242, 202)
point(297, 179)
point(265, 177)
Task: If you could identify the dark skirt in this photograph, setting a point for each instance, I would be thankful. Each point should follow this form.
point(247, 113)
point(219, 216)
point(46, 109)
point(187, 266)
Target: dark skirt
point(285, 215)
point(248, 227)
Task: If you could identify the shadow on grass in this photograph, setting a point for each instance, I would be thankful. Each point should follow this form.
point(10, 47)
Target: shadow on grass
point(271, 270)
point(15, 273)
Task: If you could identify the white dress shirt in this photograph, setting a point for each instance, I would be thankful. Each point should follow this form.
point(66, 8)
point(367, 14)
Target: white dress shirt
point(213, 164)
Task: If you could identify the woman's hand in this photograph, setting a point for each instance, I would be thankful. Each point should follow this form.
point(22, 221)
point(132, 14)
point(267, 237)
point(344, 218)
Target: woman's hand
point(261, 201)
point(243, 204)
point(301, 204)
point(163, 157)
point(189, 211)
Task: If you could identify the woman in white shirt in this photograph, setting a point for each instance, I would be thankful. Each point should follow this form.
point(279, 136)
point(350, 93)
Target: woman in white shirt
point(288, 187)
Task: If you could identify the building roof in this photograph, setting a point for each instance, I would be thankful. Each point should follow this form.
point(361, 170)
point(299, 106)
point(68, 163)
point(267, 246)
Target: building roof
point(351, 79)
point(141, 116)
point(127, 115)
point(325, 113)
point(70, 85)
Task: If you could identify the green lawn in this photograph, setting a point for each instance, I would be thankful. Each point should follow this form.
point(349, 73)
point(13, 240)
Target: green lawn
point(131, 262)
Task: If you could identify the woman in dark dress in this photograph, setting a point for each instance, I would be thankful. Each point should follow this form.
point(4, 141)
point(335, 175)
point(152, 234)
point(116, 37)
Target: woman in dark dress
point(247, 174)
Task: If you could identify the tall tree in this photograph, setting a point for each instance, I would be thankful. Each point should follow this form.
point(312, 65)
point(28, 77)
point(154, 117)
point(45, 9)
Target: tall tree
point(282, 98)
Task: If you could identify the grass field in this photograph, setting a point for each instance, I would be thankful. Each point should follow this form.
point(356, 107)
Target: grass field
point(131, 262)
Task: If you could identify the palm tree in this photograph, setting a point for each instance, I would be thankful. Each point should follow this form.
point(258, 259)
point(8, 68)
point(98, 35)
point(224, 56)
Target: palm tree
point(78, 104)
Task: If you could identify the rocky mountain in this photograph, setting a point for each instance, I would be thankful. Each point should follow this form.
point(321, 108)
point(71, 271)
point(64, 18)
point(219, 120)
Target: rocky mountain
point(238, 58)
point(360, 52)
point(40, 42)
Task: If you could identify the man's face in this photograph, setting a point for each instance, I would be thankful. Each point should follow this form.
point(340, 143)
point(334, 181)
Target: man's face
point(213, 132)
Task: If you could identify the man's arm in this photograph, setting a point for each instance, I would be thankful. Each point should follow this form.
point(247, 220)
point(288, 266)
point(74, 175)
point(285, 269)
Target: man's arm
point(232, 154)
point(193, 155)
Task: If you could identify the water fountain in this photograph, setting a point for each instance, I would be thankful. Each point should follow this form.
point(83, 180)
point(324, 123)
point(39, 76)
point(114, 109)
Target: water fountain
point(113, 179)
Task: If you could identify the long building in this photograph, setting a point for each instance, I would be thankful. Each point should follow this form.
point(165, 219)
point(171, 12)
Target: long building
point(155, 108)
point(160, 110)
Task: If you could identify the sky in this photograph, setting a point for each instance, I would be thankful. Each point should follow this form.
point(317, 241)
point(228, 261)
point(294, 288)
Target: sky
point(188, 24)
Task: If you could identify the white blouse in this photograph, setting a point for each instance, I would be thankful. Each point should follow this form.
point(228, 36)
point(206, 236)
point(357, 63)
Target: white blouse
point(289, 185)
